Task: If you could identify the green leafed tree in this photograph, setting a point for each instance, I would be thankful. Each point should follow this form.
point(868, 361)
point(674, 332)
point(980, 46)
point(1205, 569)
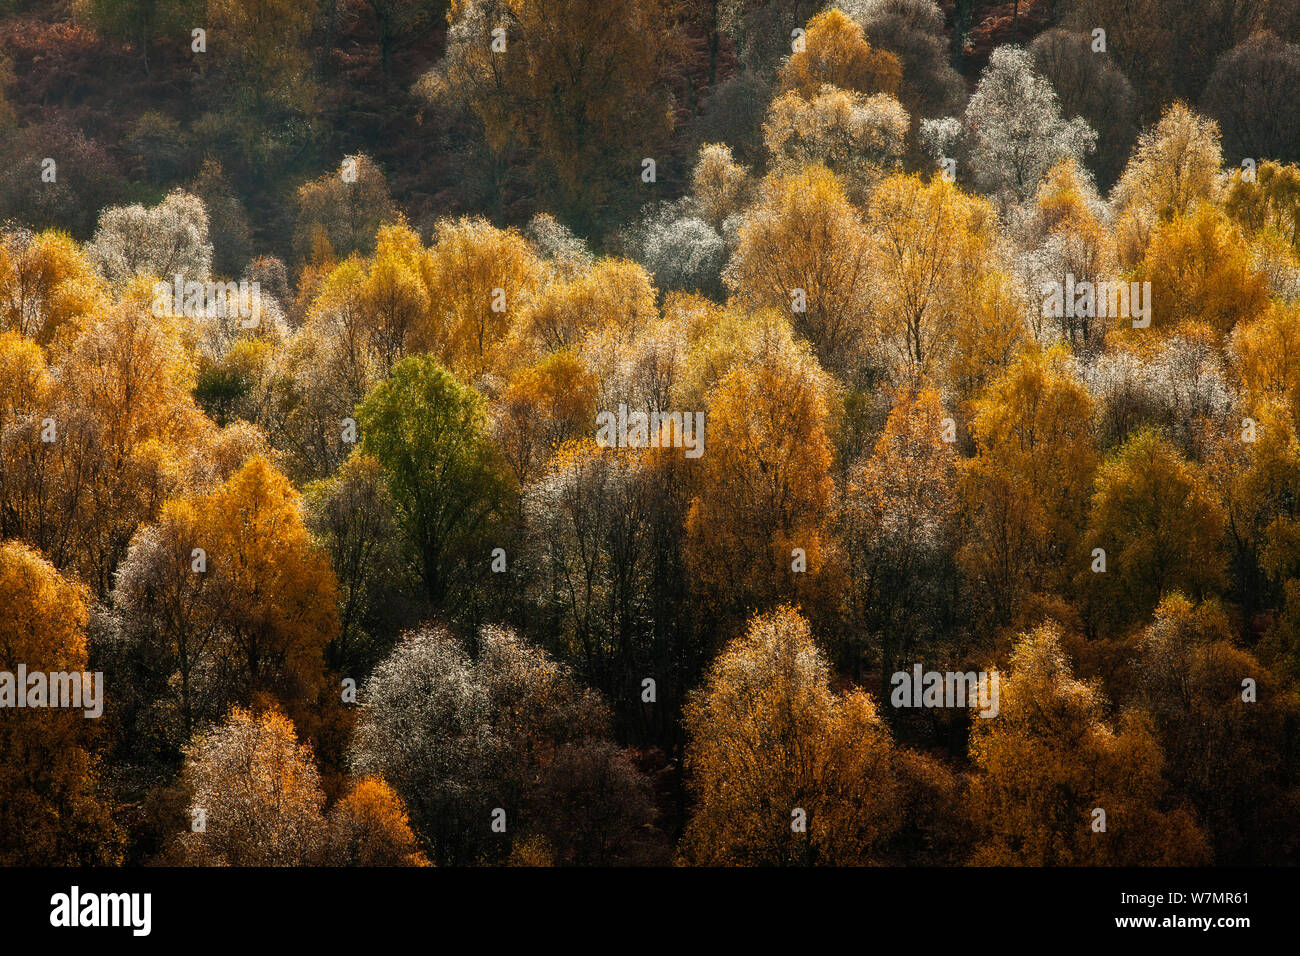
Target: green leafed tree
point(429, 433)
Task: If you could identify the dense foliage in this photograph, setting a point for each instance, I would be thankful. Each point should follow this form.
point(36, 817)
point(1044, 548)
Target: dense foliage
point(543, 432)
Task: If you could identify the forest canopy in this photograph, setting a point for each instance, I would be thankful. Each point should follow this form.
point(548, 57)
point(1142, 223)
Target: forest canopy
point(649, 432)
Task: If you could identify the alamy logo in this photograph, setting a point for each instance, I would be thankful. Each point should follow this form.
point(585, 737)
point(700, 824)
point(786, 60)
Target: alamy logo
point(74, 909)
point(951, 689)
point(197, 300)
point(1119, 300)
point(75, 690)
point(654, 430)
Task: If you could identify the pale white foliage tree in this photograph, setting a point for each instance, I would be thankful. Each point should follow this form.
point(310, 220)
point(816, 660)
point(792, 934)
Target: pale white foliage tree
point(457, 737)
point(681, 252)
point(167, 240)
point(1012, 132)
point(646, 372)
point(425, 727)
point(1182, 389)
point(858, 137)
point(257, 791)
point(1272, 259)
point(588, 526)
point(917, 14)
point(719, 184)
point(558, 245)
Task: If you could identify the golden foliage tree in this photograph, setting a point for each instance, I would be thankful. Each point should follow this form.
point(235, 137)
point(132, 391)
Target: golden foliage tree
point(231, 595)
point(542, 407)
point(787, 772)
point(481, 282)
point(858, 137)
point(1174, 165)
point(339, 212)
point(255, 796)
point(369, 827)
point(1227, 754)
point(47, 288)
point(1259, 486)
point(836, 52)
point(93, 453)
point(1067, 222)
point(1160, 526)
point(930, 246)
point(1269, 204)
point(51, 813)
point(1266, 352)
point(898, 528)
point(577, 83)
point(1027, 489)
point(803, 251)
point(614, 296)
point(765, 485)
point(718, 184)
point(1050, 760)
point(1200, 271)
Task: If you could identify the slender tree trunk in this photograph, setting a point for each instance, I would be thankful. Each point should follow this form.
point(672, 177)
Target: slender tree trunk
point(961, 16)
point(385, 44)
